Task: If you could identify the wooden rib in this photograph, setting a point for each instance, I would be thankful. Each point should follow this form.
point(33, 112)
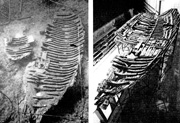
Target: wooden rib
point(62, 53)
point(53, 45)
point(59, 73)
point(43, 97)
point(65, 57)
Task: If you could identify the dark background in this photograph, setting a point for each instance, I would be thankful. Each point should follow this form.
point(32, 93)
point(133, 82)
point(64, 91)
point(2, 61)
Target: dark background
point(106, 10)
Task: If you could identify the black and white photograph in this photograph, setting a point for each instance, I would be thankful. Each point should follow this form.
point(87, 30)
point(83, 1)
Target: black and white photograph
point(136, 63)
point(44, 61)
point(89, 61)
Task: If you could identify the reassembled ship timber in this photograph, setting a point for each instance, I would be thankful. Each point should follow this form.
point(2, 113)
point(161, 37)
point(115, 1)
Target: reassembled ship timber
point(48, 77)
point(142, 42)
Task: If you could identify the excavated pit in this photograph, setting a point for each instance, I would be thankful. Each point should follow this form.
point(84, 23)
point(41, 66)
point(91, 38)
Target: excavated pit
point(34, 22)
point(47, 79)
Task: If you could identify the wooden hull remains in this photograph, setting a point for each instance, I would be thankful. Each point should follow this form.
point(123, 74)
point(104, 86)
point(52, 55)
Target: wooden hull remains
point(18, 48)
point(142, 42)
point(48, 77)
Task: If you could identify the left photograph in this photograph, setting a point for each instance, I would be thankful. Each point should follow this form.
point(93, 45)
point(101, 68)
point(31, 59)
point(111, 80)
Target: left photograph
point(44, 61)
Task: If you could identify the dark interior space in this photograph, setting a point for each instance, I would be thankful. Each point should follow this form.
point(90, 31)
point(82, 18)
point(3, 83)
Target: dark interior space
point(106, 10)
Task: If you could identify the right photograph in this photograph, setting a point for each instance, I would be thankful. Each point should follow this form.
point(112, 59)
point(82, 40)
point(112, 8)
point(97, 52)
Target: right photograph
point(136, 62)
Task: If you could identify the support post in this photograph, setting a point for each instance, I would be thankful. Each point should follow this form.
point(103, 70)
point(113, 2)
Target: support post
point(159, 7)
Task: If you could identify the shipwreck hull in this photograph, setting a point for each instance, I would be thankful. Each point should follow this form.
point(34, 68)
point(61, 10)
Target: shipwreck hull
point(47, 79)
point(140, 44)
point(18, 48)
